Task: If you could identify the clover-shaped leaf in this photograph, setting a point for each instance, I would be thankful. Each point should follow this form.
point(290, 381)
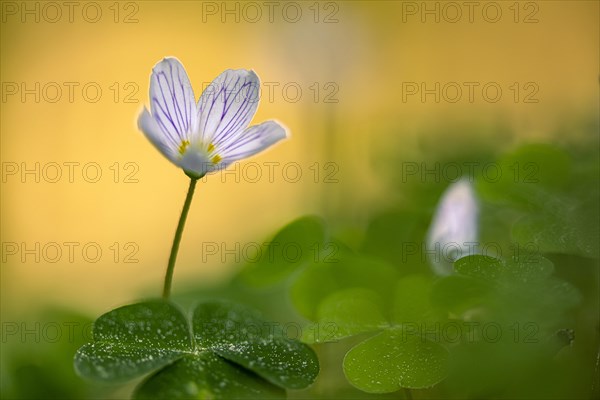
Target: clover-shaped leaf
point(230, 352)
point(400, 356)
point(392, 310)
point(133, 340)
point(206, 376)
point(238, 334)
point(393, 360)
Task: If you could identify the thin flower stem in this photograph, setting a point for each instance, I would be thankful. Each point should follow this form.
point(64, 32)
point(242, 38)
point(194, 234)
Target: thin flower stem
point(177, 239)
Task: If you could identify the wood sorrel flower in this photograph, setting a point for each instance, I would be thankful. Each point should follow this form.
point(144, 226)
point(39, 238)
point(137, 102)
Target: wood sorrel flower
point(207, 136)
point(454, 227)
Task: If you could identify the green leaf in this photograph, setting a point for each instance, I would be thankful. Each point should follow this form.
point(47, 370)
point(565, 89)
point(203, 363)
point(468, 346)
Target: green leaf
point(522, 269)
point(393, 360)
point(39, 363)
point(564, 228)
point(548, 302)
point(318, 280)
point(527, 268)
point(392, 236)
point(478, 266)
point(294, 245)
point(524, 177)
point(457, 294)
point(238, 334)
point(557, 194)
point(521, 289)
point(233, 352)
point(353, 297)
point(133, 340)
point(412, 300)
point(347, 313)
point(206, 376)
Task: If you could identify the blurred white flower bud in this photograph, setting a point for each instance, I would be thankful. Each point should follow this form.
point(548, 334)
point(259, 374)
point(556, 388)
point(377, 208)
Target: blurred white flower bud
point(453, 232)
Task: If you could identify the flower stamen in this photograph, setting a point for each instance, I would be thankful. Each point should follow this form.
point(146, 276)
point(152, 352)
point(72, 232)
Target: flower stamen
point(183, 146)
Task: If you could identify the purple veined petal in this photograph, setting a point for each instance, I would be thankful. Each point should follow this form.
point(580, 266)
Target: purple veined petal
point(252, 141)
point(172, 100)
point(154, 133)
point(227, 105)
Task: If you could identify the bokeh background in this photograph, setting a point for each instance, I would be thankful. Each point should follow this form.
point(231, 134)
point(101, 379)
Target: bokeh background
point(335, 73)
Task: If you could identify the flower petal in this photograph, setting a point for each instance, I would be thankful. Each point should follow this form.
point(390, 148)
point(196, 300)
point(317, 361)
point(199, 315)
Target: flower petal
point(172, 100)
point(227, 106)
point(148, 125)
point(253, 140)
point(454, 227)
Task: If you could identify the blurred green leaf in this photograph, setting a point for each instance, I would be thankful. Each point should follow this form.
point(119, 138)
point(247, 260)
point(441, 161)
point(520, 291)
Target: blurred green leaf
point(297, 243)
point(524, 177)
point(522, 269)
point(412, 301)
point(358, 310)
point(557, 195)
point(393, 360)
point(566, 228)
point(507, 365)
point(521, 289)
point(346, 313)
point(37, 356)
point(478, 266)
point(318, 280)
point(458, 294)
point(392, 236)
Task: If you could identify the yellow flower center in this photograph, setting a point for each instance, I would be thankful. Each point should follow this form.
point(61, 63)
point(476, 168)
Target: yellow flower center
point(183, 146)
point(215, 159)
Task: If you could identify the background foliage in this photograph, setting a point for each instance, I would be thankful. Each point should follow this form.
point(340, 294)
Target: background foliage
point(521, 321)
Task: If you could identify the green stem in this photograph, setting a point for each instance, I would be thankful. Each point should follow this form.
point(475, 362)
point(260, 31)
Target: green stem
point(177, 239)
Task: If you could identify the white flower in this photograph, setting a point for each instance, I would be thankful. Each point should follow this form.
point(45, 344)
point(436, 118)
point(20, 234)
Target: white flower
point(454, 228)
point(207, 136)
